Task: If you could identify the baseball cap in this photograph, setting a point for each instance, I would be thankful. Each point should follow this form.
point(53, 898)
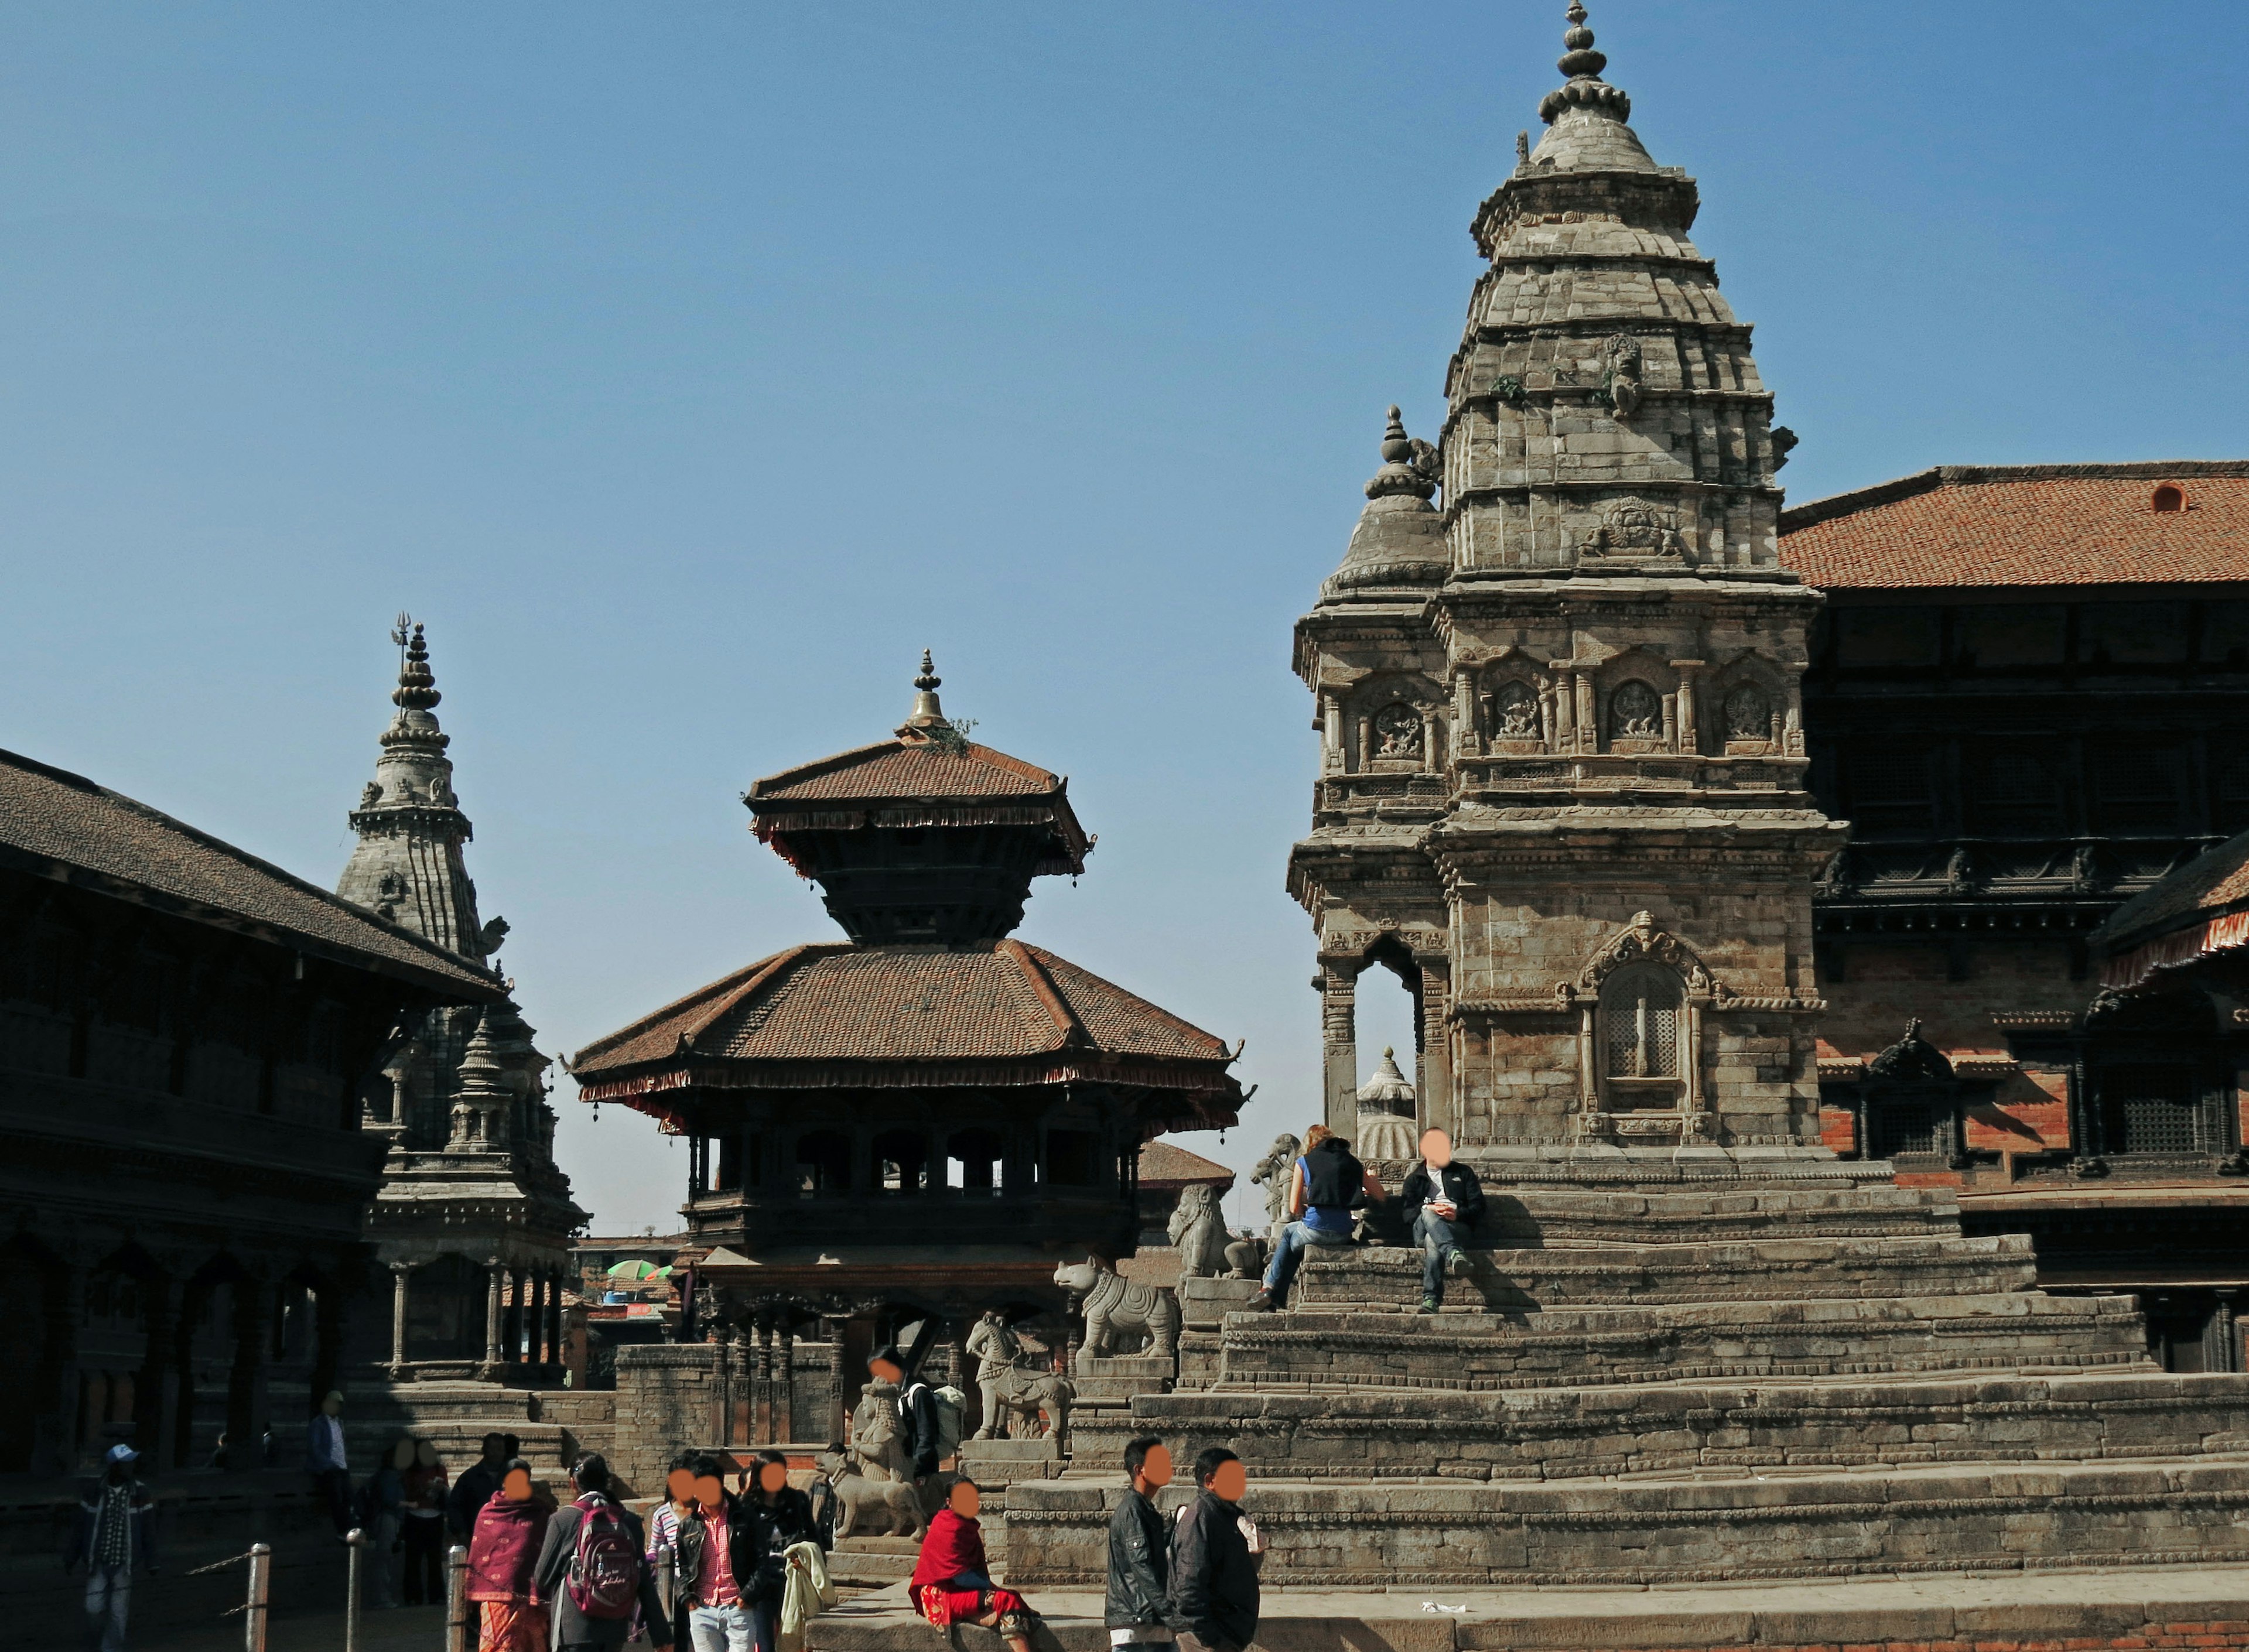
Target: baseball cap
point(122, 1453)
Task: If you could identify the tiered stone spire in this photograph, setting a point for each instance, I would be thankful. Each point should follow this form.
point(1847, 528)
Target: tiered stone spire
point(1400, 539)
point(409, 864)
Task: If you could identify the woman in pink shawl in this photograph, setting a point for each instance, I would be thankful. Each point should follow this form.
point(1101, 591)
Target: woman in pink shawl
point(503, 1550)
point(953, 1581)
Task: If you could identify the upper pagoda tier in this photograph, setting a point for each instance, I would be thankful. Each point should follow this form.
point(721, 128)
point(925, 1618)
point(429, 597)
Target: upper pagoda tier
point(923, 838)
point(1605, 413)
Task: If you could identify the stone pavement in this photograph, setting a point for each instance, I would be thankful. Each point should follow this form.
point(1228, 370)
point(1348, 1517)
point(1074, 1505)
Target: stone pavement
point(417, 1628)
point(2040, 1610)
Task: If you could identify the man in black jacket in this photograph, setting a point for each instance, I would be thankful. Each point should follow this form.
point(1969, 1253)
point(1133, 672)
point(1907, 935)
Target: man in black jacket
point(573, 1628)
point(1443, 1201)
point(1215, 1555)
point(1139, 1565)
point(475, 1487)
point(917, 1410)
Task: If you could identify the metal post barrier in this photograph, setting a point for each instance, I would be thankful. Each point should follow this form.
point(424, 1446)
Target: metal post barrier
point(355, 1548)
point(459, 1637)
point(261, 1588)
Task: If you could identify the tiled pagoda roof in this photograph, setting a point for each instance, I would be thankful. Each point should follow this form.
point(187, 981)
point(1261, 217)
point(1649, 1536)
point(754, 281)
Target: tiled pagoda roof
point(2031, 524)
point(1163, 1165)
point(994, 1014)
point(64, 825)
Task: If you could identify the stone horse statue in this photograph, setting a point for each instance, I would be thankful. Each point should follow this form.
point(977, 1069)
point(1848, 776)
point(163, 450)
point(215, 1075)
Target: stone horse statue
point(1026, 1390)
point(892, 1501)
point(1272, 1173)
point(1112, 1303)
point(1198, 1231)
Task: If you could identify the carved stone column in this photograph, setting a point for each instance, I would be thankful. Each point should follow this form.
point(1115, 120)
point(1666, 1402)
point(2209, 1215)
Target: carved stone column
point(1429, 726)
point(1433, 1096)
point(1792, 722)
point(1690, 734)
point(494, 1292)
point(555, 1351)
point(1339, 1046)
point(785, 1380)
point(762, 1406)
point(1467, 737)
point(1330, 734)
point(1588, 724)
point(400, 1272)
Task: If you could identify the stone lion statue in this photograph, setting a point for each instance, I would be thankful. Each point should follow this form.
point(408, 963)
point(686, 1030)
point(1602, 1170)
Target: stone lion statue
point(1112, 1303)
point(1198, 1229)
point(1271, 1173)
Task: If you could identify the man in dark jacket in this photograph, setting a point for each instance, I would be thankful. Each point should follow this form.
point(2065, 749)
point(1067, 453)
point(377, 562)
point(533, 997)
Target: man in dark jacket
point(1215, 1555)
point(916, 1409)
point(1139, 1564)
point(1443, 1201)
point(573, 1628)
point(475, 1487)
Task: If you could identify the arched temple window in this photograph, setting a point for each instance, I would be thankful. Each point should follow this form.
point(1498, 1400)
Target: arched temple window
point(901, 1161)
point(824, 1164)
point(1641, 1035)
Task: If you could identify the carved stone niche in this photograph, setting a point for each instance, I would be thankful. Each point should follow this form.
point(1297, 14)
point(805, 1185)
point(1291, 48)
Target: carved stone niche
point(1514, 720)
point(1640, 1000)
point(1751, 721)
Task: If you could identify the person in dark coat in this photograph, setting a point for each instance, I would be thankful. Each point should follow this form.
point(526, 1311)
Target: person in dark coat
point(1140, 1561)
point(474, 1488)
point(111, 1539)
point(1215, 1555)
point(573, 1628)
point(1443, 1201)
point(916, 1405)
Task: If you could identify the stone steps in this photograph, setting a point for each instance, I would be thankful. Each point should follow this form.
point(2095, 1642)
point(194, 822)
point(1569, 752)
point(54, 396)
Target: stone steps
point(1340, 1348)
point(1683, 1529)
point(1772, 1270)
point(1576, 1433)
point(1700, 1211)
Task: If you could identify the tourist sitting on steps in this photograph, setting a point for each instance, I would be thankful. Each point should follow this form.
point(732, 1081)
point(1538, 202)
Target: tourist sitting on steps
point(1217, 1551)
point(1327, 1185)
point(1443, 1201)
point(1139, 1610)
point(953, 1581)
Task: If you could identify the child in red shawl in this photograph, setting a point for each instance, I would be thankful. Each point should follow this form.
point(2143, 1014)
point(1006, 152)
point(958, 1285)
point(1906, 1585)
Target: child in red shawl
point(953, 1581)
point(503, 1552)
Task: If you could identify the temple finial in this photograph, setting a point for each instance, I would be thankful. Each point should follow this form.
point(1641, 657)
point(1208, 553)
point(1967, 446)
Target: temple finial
point(418, 685)
point(927, 714)
point(1408, 466)
point(1584, 65)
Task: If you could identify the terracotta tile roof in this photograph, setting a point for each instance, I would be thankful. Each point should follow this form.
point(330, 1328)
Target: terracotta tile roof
point(51, 818)
point(2027, 525)
point(1163, 1165)
point(2211, 885)
point(994, 1003)
point(905, 769)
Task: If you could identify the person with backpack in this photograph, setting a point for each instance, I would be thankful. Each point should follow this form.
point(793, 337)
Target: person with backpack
point(592, 1570)
point(504, 1548)
point(1217, 1551)
point(929, 1420)
point(1327, 1185)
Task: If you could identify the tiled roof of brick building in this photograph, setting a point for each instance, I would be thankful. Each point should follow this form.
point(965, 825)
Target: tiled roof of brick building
point(1164, 1165)
point(828, 1013)
point(2213, 885)
point(51, 820)
point(2038, 525)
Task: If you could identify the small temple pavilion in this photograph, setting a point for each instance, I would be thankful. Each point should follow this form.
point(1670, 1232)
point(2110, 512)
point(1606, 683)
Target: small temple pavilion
point(916, 1123)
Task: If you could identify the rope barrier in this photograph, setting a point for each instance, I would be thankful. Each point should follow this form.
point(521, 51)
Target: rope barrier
point(221, 1565)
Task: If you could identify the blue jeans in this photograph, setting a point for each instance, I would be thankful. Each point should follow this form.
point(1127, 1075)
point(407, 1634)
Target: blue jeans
point(1294, 1239)
point(108, 1602)
point(1434, 1235)
point(734, 1628)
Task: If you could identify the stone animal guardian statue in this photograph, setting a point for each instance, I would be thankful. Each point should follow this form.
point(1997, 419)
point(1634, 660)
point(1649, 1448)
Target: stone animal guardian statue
point(998, 1351)
point(894, 1501)
point(1196, 1230)
point(1245, 1258)
point(1026, 1390)
point(1112, 1303)
point(1272, 1173)
point(875, 1443)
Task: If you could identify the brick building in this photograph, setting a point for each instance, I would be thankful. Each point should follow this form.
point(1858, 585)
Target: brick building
point(2030, 698)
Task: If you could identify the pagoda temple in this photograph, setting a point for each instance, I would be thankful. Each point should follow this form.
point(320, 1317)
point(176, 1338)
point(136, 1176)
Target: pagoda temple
point(916, 1123)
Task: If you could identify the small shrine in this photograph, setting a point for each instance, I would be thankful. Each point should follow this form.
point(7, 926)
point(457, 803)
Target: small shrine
point(892, 1133)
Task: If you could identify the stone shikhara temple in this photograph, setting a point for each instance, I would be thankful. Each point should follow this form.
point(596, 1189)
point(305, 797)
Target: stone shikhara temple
point(1564, 792)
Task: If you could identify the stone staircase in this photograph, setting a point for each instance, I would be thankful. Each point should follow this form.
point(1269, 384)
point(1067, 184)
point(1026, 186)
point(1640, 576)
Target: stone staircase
point(1800, 1371)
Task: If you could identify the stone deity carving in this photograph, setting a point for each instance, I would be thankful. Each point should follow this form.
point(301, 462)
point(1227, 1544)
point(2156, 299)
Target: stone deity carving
point(998, 1351)
point(1198, 1231)
point(1272, 1173)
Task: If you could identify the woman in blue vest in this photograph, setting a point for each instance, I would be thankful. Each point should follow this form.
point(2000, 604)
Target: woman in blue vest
point(1327, 1185)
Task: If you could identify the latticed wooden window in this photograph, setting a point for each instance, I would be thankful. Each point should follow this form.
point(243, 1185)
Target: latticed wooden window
point(1640, 1015)
point(1894, 1127)
point(2151, 1110)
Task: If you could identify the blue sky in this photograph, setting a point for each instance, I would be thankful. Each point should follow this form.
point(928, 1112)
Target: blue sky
point(690, 368)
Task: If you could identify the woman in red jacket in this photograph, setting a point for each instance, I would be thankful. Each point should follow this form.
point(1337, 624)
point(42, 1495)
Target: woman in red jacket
point(953, 1581)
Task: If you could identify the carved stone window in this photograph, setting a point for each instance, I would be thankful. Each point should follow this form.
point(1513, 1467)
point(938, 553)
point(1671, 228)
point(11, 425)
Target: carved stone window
point(1398, 732)
point(1641, 1029)
point(1635, 712)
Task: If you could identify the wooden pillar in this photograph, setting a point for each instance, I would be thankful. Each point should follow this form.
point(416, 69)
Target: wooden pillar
point(156, 1387)
point(834, 1328)
point(722, 1385)
point(247, 1404)
point(556, 1354)
point(761, 1395)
